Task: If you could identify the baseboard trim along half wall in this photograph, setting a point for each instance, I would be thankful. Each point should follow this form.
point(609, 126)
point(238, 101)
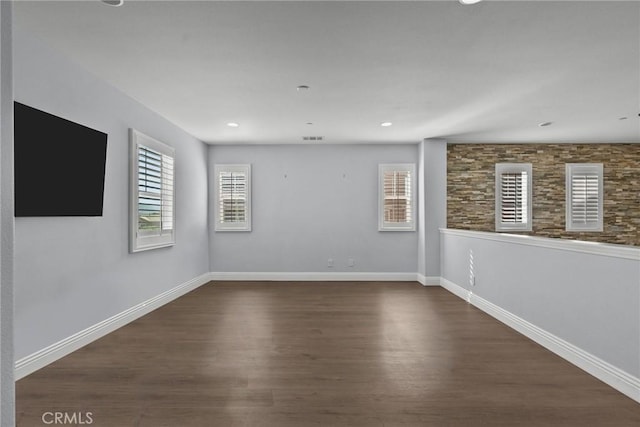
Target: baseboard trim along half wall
point(605, 372)
point(50, 354)
point(315, 276)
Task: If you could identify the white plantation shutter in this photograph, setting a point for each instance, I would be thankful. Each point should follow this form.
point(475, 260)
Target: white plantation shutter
point(397, 197)
point(585, 207)
point(514, 201)
point(513, 196)
point(233, 197)
point(155, 192)
point(167, 192)
point(584, 196)
point(152, 193)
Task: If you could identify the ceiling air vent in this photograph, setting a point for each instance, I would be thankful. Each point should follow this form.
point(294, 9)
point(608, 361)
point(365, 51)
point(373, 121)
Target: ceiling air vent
point(312, 138)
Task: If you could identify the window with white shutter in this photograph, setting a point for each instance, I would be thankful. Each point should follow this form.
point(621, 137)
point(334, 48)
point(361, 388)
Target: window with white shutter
point(584, 196)
point(152, 193)
point(233, 197)
point(397, 196)
point(513, 196)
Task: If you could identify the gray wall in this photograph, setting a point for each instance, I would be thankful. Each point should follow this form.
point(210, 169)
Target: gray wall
point(311, 203)
point(71, 273)
point(591, 301)
point(7, 395)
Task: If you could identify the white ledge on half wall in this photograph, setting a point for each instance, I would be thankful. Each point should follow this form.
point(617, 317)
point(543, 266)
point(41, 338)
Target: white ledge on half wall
point(595, 248)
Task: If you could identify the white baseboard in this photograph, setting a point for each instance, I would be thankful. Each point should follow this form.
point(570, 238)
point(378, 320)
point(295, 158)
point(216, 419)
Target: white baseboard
point(605, 372)
point(316, 276)
point(458, 291)
point(428, 280)
point(47, 355)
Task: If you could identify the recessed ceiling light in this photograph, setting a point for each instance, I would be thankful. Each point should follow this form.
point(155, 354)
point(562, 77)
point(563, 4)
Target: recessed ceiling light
point(543, 124)
point(467, 2)
point(623, 118)
point(233, 124)
point(302, 87)
point(309, 123)
point(385, 124)
point(114, 3)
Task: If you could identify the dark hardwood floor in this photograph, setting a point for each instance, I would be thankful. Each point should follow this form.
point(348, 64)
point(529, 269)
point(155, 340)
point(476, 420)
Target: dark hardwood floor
point(319, 354)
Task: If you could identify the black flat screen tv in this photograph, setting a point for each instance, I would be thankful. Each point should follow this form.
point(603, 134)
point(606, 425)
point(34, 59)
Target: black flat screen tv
point(59, 165)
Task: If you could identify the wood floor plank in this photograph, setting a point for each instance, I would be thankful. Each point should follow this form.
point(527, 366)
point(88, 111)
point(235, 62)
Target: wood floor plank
point(320, 354)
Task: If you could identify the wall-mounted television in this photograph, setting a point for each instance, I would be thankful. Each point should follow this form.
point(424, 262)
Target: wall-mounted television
point(59, 165)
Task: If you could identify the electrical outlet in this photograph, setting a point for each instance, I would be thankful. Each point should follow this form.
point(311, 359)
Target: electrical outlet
point(351, 262)
point(330, 262)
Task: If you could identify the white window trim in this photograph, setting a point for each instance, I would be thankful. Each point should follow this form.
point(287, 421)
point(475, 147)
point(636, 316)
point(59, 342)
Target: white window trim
point(502, 168)
point(138, 241)
point(590, 168)
point(231, 226)
point(392, 226)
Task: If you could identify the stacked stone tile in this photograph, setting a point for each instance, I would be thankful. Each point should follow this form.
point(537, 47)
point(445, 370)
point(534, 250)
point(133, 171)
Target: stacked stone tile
point(471, 182)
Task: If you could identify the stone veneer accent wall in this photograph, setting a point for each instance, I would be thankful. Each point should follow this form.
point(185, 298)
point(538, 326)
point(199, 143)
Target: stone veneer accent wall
point(471, 181)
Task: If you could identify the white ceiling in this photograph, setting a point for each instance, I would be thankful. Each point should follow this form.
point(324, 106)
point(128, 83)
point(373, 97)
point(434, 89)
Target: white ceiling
point(436, 69)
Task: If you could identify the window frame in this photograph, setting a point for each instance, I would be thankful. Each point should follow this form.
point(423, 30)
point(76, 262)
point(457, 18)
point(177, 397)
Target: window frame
point(239, 225)
point(394, 226)
point(572, 169)
point(144, 241)
point(504, 168)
